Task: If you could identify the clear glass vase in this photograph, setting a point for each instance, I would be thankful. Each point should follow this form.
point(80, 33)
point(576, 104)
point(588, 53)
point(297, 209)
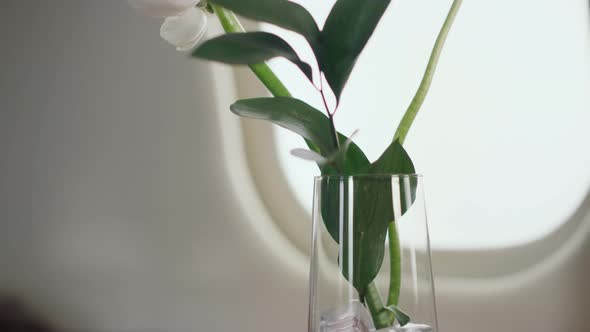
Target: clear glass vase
point(370, 264)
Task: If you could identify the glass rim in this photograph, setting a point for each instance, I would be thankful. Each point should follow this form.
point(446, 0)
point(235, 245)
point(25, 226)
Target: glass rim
point(370, 176)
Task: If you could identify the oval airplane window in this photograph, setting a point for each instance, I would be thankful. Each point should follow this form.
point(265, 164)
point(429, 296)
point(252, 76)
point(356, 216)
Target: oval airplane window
point(502, 136)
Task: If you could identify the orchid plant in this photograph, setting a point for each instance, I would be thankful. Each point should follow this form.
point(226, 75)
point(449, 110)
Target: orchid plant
point(336, 47)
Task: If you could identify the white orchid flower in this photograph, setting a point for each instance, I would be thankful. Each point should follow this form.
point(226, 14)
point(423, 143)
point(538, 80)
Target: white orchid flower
point(185, 30)
point(162, 8)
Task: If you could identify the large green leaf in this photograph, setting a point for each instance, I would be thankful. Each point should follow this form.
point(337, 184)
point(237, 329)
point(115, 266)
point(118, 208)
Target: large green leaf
point(374, 209)
point(394, 160)
point(363, 246)
point(249, 48)
point(362, 241)
point(303, 119)
point(354, 163)
point(282, 13)
point(346, 32)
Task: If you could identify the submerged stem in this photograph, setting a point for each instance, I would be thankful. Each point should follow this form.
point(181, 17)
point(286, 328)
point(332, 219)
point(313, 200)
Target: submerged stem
point(395, 270)
point(382, 318)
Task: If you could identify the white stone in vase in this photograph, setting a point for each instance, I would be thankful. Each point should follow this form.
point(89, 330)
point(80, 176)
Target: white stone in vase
point(352, 317)
point(410, 327)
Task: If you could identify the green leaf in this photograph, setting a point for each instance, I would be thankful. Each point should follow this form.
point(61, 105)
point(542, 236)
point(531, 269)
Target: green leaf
point(300, 118)
point(376, 209)
point(402, 317)
point(249, 48)
point(282, 13)
point(373, 211)
point(354, 160)
point(363, 240)
point(394, 160)
point(292, 114)
point(346, 32)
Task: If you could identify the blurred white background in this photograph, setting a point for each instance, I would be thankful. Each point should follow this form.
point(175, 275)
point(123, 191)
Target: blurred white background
point(508, 107)
point(115, 209)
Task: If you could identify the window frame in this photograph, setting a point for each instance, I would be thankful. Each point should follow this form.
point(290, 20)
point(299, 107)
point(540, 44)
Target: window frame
point(292, 223)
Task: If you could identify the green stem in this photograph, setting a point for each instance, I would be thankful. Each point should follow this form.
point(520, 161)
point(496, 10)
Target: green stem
point(334, 132)
point(395, 270)
point(330, 117)
point(412, 111)
point(401, 134)
point(382, 318)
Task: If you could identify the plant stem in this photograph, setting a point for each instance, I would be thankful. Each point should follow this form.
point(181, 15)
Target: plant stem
point(334, 132)
point(395, 270)
point(331, 118)
point(382, 318)
point(401, 134)
point(408, 118)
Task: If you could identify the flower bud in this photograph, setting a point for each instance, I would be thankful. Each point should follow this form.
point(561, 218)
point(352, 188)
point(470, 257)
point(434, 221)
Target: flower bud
point(185, 30)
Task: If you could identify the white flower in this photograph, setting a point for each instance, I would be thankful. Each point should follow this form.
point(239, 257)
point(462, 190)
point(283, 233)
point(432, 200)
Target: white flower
point(185, 30)
point(162, 8)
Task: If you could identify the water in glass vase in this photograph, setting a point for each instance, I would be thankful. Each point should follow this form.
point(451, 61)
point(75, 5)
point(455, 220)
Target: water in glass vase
point(370, 267)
